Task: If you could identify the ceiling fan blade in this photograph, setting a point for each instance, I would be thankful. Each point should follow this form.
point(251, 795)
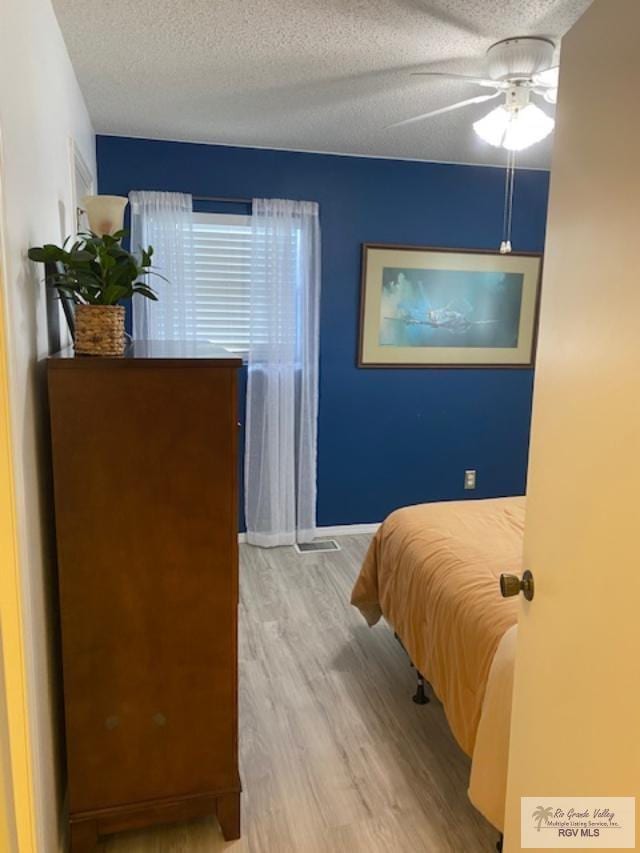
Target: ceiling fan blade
point(547, 78)
point(479, 99)
point(446, 75)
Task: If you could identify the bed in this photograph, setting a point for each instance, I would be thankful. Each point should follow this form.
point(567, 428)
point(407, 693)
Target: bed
point(433, 572)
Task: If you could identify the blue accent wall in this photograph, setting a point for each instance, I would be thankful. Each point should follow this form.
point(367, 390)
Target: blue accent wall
point(387, 437)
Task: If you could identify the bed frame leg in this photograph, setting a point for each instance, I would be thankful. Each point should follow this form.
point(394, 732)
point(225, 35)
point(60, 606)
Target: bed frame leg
point(499, 843)
point(420, 697)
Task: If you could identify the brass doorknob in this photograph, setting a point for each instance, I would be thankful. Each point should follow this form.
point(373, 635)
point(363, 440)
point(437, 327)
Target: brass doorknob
point(512, 585)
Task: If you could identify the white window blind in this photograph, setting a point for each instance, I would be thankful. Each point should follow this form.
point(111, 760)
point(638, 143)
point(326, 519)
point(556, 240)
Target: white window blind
point(221, 272)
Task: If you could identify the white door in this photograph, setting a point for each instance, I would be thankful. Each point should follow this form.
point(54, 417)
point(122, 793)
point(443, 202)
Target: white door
point(576, 714)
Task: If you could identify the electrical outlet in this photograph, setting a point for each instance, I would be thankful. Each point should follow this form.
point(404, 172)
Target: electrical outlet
point(470, 479)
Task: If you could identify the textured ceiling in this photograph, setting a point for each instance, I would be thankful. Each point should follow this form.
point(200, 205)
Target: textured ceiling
point(317, 75)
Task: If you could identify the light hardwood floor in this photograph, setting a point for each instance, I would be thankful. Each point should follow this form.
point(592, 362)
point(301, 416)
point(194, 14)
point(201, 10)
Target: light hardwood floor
point(334, 754)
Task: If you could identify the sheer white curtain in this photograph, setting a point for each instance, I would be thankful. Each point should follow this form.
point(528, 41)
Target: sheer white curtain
point(164, 221)
point(282, 393)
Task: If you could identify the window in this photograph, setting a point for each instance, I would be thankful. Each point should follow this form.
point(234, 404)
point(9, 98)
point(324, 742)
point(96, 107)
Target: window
point(221, 272)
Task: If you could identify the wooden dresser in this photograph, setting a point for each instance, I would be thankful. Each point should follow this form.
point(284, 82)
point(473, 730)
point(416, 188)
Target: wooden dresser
point(145, 480)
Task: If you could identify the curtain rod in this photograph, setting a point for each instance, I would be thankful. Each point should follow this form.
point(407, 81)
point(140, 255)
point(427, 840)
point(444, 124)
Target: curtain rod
point(222, 198)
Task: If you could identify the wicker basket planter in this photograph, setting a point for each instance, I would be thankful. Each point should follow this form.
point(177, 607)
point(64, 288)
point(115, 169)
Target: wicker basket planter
point(99, 330)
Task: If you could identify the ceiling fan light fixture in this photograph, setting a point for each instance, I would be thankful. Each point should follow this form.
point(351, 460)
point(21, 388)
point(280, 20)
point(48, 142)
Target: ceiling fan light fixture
point(493, 127)
point(528, 126)
point(516, 129)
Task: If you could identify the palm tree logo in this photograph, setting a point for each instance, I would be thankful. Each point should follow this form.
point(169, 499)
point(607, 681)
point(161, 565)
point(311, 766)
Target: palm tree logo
point(542, 814)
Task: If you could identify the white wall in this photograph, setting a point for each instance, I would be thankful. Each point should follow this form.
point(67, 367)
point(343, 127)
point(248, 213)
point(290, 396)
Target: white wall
point(41, 110)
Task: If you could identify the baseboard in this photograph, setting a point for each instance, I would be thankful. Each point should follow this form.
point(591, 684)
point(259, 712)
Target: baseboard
point(335, 530)
point(348, 529)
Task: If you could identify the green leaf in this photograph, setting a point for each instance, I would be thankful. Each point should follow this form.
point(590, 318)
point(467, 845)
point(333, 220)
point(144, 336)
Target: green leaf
point(116, 251)
point(47, 254)
point(82, 256)
point(97, 270)
point(157, 275)
point(67, 291)
point(37, 253)
point(113, 293)
point(143, 290)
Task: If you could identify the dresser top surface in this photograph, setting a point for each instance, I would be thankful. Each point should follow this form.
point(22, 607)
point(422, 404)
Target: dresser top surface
point(152, 354)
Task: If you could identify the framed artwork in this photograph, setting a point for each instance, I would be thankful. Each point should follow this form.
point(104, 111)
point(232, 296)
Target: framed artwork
point(427, 307)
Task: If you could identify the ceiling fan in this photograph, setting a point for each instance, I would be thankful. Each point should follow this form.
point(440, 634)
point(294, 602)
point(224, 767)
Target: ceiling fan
point(517, 69)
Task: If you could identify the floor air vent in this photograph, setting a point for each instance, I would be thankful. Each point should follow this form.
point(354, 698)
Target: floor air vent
point(317, 546)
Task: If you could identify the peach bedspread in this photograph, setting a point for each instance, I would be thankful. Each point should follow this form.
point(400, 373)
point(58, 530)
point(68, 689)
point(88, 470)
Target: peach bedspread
point(433, 572)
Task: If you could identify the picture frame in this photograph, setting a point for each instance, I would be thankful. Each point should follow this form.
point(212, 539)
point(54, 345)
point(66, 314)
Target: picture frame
point(423, 306)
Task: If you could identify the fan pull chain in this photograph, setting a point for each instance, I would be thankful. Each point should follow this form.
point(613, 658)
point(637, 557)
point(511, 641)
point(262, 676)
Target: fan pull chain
point(512, 173)
point(509, 183)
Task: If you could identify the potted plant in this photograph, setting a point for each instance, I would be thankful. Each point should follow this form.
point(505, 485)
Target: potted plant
point(96, 272)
